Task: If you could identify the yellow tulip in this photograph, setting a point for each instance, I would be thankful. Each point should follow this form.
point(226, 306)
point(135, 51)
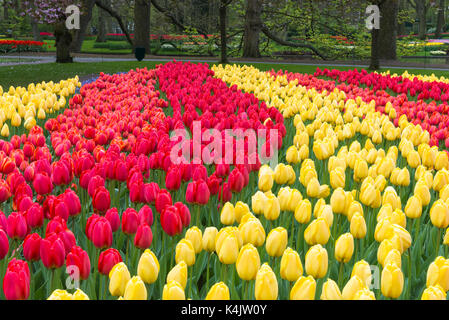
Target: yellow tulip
point(438, 273)
point(179, 274)
point(195, 236)
point(392, 281)
point(60, 294)
point(363, 270)
point(219, 291)
point(5, 131)
point(185, 251)
point(173, 291)
point(357, 226)
point(364, 294)
point(276, 242)
point(316, 261)
point(80, 295)
point(258, 202)
point(148, 267)
point(303, 211)
point(291, 266)
point(337, 178)
point(413, 208)
point(227, 215)
point(135, 289)
point(119, 277)
point(344, 247)
point(338, 200)
point(317, 232)
point(354, 285)
point(439, 214)
point(240, 210)
point(304, 289)
point(229, 250)
point(266, 287)
point(331, 291)
point(208, 240)
point(272, 208)
point(434, 293)
point(248, 262)
point(252, 232)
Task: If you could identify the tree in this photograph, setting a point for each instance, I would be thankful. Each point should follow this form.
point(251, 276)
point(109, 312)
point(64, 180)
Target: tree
point(102, 26)
point(388, 29)
point(421, 7)
point(374, 61)
point(223, 30)
point(142, 24)
point(253, 26)
point(440, 18)
point(53, 12)
point(85, 18)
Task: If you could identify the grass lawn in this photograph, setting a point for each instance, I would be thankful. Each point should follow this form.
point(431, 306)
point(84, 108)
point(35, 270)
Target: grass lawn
point(22, 75)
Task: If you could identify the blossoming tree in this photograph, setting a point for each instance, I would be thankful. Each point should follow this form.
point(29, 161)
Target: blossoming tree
point(53, 12)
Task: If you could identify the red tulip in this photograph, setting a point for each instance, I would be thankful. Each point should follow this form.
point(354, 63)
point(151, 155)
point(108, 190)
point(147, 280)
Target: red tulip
point(173, 179)
point(114, 219)
point(31, 247)
point(150, 192)
point(225, 193)
point(171, 221)
point(184, 213)
point(143, 237)
point(101, 233)
point(80, 259)
point(52, 251)
point(94, 183)
point(16, 283)
point(73, 202)
point(55, 225)
point(146, 215)
point(17, 226)
point(130, 221)
point(42, 184)
point(4, 244)
point(35, 216)
point(107, 260)
point(61, 174)
point(236, 181)
point(203, 194)
point(5, 192)
point(163, 200)
point(101, 200)
point(68, 238)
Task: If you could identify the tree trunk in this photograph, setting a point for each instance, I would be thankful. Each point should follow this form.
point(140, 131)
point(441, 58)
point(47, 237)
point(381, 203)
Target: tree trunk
point(63, 39)
point(101, 37)
point(86, 16)
point(388, 29)
point(374, 63)
point(223, 33)
point(35, 28)
point(142, 24)
point(440, 18)
point(421, 11)
point(252, 29)
point(401, 27)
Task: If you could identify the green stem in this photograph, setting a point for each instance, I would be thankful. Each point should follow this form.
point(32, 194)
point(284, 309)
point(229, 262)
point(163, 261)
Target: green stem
point(340, 275)
point(207, 271)
point(437, 242)
point(410, 274)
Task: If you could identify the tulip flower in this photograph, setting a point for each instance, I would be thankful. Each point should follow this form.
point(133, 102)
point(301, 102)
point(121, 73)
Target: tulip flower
point(143, 237)
point(4, 244)
point(227, 215)
point(276, 242)
point(316, 262)
point(218, 291)
point(208, 239)
point(179, 274)
point(392, 281)
point(351, 288)
point(17, 226)
point(330, 291)
point(344, 248)
point(248, 262)
point(266, 287)
point(304, 289)
point(16, 282)
point(358, 226)
point(130, 221)
point(52, 251)
point(148, 267)
point(194, 235)
point(303, 211)
point(291, 266)
point(438, 273)
point(118, 279)
point(317, 232)
point(229, 249)
point(108, 259)
point(434, 293)
point(80, 259)
point(173, 291)
point(185, 252)
point(135, 289)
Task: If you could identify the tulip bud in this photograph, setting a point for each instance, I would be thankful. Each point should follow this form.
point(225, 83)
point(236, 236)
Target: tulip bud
point(413, 208)
point(208, 240)
point(108, 259)
point(227, 215)
point(434, 293)
point(173, 291)
point(316, 261)
point(240, 210)
point(185, 251)
point(363, 270)
point(337, 178)
point(135, 289)
point(179, 274)
point(303, 211)
point(338, 200)
point(252, 231)
point(344, 247)
point(276, 242)
point(317, 232)
point(357, 226)
point(266, 287)
point(219, 291)
point(272, 208)
point(438, 273)
point(330, 291)
point(248, 262)
point(304, 289)
point(392, 281)
point(291, 266)
point(195, 236)
point(352, 287)
point(439, 214)
point(119, 277)
point(229, 249)
point(148, 267)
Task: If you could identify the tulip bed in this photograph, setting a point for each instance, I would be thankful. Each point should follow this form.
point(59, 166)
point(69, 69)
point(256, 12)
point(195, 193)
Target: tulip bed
point(94, 205)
